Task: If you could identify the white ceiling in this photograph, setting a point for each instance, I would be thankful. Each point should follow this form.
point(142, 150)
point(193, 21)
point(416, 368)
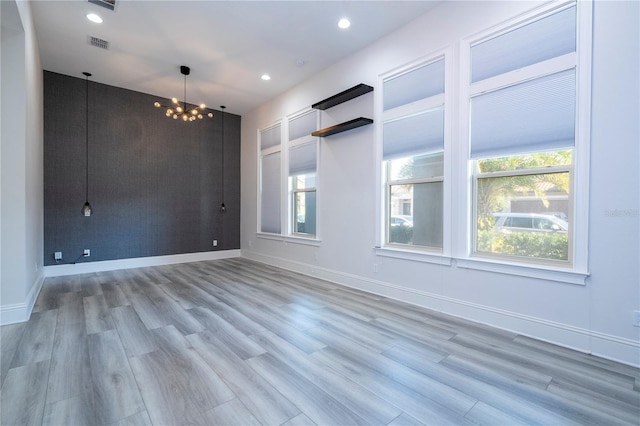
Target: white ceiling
point(227, 44)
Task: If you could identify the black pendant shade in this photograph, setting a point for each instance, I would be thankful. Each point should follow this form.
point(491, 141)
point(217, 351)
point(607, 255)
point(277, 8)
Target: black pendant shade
point(86, 209)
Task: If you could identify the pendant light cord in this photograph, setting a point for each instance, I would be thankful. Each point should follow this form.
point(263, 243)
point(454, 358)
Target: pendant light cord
point(87, 141)
point(223, 108)
point(223, 208)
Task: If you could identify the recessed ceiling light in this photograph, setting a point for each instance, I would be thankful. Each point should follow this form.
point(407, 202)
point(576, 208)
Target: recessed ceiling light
point(344, 23)
point(94, 18)
point(266, 77)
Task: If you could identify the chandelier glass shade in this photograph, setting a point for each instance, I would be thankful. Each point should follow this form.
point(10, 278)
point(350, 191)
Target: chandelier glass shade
point(183, 110)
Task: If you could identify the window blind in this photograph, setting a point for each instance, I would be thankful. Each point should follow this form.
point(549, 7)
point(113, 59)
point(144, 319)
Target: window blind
point(417, 134)
point(270, 137)
point(414, 85)
point(536, 115)
point(303, 159)
point(546, 38)
point(302, 125)
point(270, 194)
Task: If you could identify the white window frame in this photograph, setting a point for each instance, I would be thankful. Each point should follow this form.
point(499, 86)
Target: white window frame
point(414, 252)
point(298, 142)
point(577, 268)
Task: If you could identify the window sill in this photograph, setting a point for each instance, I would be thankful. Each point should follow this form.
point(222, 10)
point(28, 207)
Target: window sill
point(288, 239)
point(414, 255)
point(549, 273)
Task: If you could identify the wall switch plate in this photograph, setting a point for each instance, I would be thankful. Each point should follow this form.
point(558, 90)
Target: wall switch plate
point(636, 318)
point(215, 243)
point(86, 253)
point(57, 255)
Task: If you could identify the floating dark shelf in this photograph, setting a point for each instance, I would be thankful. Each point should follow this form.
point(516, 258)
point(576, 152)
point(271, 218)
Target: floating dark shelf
point(343, 127)
point(341, 97)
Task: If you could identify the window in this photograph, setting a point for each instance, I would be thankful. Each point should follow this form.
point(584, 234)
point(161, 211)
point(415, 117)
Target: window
point(270, 180)
point(302, 177)
point(523, 91)
point(413, 156)
point(303, 160)
point(288, 178)
point(523, 205)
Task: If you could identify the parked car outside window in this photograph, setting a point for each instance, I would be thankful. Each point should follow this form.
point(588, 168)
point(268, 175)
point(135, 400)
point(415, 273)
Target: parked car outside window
point(530, 222)
point(401, 220)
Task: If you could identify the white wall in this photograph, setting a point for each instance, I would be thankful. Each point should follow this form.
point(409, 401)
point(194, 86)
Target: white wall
point(595, 317)
point(21, 154)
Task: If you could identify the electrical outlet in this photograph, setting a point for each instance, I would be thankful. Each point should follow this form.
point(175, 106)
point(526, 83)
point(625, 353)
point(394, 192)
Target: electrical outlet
point(215, 243)
point(376, 268)
point(636, 318)
point(86, 253)
point(57, 255)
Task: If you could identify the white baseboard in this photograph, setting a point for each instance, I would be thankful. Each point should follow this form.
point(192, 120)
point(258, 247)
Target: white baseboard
point(138, 262)
point(20, 312)
point(626, 351)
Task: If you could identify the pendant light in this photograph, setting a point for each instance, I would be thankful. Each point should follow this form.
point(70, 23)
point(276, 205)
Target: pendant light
point(223, 208)
point(86, 209)
point(184, 110)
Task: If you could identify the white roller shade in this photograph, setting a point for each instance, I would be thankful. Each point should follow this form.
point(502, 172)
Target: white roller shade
point(537, 115)
point(414, 135)
point(303, 125)
point(302, 159)
point(270, 137)
point(420, 83)
point(547, 38)
point(270, 194)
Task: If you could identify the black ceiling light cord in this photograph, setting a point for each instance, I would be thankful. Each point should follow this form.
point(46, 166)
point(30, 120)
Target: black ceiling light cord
point(86, 209)
point(223, 208)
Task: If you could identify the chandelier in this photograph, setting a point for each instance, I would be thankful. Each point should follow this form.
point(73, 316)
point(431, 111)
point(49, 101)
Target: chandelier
point(183, 110)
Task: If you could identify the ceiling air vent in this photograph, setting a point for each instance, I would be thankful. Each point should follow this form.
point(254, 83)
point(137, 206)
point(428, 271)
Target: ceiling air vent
point(98, 42)
point(107, 4)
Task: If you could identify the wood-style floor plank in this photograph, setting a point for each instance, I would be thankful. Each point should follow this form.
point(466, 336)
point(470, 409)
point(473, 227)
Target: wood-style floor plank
point(408, 400)
point(139, 419)
point(150, 314)
point(135, 337)
point(235, 341)
point(405, 420)
point(10, 336)
point(238, 342)
point(70, 309)
point(261, 398)
point(115, 389)
point(23, 394)
point(113, 295)
point(360, 400)
point(70, 369)
point(37, 339)
point(201, 383)
point(232, 413)
point(72, 411)
point(97, 315)
point(299, 420)
point(320, 407)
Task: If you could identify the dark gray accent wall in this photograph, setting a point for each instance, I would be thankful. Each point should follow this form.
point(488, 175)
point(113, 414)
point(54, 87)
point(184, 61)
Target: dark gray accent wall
point(155, 184)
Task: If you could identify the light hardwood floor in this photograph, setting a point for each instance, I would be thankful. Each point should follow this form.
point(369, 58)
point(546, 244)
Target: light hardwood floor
point(234, 342)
